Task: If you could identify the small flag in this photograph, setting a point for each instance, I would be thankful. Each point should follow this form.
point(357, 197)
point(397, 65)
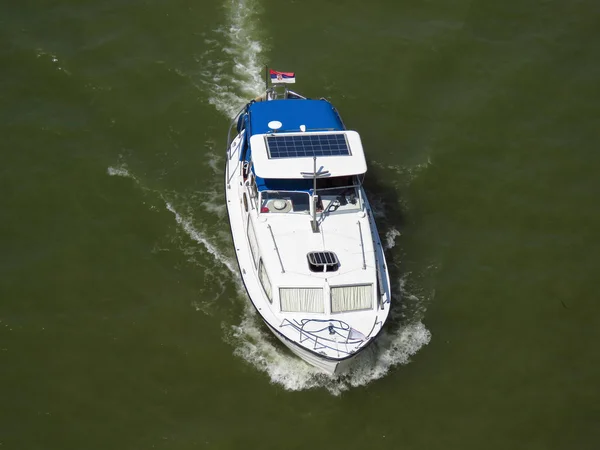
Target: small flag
point(282, 77)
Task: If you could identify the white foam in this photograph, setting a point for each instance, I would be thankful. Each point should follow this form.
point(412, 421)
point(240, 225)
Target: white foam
point(390, 238)
point(393, 347)
point(120, 171)
point(254, 343)
point(196, 235)
point(235, 77)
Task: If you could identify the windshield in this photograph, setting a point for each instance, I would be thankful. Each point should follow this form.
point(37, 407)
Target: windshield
point(338, 199)
point(284, 202)
point(336, 194)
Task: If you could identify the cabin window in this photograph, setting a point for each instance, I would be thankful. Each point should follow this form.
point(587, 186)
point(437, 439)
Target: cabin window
point(302, 300)
point(351, 298)
point(264, 280)
point(253, 242)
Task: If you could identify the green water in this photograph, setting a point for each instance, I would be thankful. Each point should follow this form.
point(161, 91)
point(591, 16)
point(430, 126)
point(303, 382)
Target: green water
point(122, 321)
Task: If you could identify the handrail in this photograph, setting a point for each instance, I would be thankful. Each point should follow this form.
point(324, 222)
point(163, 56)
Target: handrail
point(233, 123)
point(374, 325)
point(324, 342)
point(288, 92)
point(379, 259)
point(379, 284)
point(253, 203)
point(362, 246)
point(276, 248)
point(228, 156)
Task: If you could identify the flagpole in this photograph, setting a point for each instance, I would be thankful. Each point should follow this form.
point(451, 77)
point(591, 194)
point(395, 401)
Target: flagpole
point(266, 77)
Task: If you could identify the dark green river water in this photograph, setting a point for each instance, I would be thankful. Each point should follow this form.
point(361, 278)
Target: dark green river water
point(122, 321)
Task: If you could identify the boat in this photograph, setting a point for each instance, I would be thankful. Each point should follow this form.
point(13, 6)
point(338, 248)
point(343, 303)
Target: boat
point(304, 234)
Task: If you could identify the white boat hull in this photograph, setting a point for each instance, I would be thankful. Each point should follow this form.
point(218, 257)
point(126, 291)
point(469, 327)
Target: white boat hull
point(327, 365)
point(326, 339)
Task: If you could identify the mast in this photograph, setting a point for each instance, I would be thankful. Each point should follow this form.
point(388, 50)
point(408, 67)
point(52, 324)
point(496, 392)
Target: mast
point(314, 198)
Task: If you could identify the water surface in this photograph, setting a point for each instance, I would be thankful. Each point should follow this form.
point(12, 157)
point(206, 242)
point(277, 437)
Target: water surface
point(122, 319)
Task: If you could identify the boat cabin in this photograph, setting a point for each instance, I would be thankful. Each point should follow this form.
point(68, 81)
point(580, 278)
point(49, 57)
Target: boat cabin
point(298, 159)
point(289, 144)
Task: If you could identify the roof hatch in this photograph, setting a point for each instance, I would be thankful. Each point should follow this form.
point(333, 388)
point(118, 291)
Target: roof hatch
point(322, 261)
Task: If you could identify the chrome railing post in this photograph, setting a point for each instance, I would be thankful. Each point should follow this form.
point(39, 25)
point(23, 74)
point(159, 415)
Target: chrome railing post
point(276, 249)
point(362, 245)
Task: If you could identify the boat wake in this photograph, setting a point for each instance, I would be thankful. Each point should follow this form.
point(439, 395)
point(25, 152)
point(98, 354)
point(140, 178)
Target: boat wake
point(231, 74)
point(197, 236)
point(406, 173)
point(121, 171)
point(233, 63)
point(400, 340)
point(185, 220)
point(402, 337)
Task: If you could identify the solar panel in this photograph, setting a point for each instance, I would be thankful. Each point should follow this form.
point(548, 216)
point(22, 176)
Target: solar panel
point(302, 146)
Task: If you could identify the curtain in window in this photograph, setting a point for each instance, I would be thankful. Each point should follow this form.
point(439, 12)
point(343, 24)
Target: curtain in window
point(264, 280)
point(253, 242)
point(351, 298)
point(302, 300)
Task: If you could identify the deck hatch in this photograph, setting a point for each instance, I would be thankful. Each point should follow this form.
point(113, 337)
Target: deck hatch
point(322, 261)
point(307, 145)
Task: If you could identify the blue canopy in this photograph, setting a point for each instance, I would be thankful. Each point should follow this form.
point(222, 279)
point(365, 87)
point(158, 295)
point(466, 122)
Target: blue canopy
point(314, 114)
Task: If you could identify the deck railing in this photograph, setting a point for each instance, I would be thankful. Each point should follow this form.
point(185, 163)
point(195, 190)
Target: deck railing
point(362, 246)
point(276, 248)
point(334, 330)
point(229, 140)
